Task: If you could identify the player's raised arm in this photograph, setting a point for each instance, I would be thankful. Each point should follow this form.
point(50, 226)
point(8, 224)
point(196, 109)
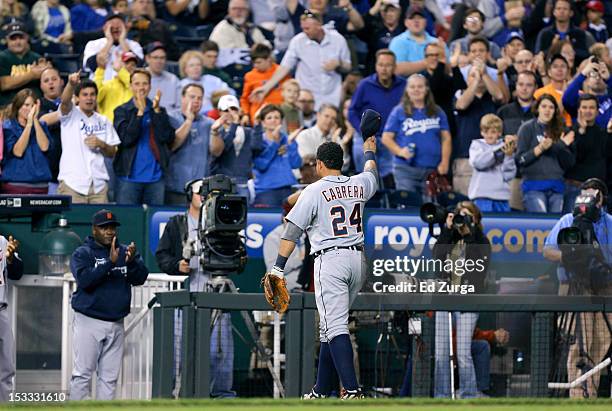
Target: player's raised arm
point(369, 153)
point(369, 126)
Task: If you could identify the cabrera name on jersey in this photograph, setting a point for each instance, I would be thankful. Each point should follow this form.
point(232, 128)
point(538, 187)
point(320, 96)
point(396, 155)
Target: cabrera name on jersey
point(331, 210)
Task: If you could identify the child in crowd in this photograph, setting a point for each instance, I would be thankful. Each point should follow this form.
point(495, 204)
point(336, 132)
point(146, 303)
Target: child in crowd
point(116, 91)
point(595, 22)
point(263, 69)
point(293, 118)
point(493, 161)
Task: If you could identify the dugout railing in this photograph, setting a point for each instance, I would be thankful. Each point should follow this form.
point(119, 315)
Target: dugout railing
point(299, 335)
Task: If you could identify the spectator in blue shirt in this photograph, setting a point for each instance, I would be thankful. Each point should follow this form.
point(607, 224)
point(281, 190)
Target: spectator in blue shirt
point(146, 136)
point(90, 15)
point(25, 169)
point(381, 91)
point(409, 47)
point(52, 21)
point(190, 148)
point(417, 134)
point(595, 79)
point(273, 166)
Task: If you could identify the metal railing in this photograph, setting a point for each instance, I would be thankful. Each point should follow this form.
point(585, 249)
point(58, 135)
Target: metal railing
point(299, 337)
point(136, 373)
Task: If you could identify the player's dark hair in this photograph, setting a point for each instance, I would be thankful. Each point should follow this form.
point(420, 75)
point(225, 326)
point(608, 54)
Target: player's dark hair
point(87, 83)
point(331, 155)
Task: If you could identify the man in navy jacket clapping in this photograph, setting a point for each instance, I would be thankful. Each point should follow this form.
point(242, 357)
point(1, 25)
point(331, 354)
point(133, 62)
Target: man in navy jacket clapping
point(105, 272)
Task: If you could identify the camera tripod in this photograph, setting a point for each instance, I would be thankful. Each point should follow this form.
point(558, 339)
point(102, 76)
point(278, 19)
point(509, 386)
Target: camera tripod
point(571, 332)
point(386, 337)
point(222, 284)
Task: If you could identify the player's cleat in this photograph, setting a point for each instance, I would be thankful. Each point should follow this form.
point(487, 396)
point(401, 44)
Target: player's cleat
point(352, 394)
point(313, 395)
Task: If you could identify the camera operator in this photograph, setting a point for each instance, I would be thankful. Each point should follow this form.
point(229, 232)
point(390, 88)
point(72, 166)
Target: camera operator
point(460, 240)
point(183, 229)
point(585, 270)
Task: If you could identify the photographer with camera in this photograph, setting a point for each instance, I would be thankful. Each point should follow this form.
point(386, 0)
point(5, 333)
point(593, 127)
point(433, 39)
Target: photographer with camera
point(580, 242)
point(461, 238)
point(181, 233)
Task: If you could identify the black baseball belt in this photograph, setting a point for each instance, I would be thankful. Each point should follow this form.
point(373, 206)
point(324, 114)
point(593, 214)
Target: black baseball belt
point(358, 247)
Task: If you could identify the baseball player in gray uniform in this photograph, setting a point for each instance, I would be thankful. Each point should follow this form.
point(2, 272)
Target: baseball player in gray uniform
point(10, 267)
point(331, 211)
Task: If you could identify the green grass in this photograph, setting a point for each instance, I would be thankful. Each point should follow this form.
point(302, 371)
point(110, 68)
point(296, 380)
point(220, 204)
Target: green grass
point(256, 404)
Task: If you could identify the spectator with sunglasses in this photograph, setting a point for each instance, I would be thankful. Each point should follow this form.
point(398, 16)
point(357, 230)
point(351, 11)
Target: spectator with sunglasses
point(233, 147)
point(473, 23)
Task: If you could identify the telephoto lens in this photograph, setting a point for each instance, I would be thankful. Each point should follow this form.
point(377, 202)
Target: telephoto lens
point(460, 220)
point(433, 213)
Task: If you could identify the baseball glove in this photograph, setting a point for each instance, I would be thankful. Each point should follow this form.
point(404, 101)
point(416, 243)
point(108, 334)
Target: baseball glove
point(275, 289)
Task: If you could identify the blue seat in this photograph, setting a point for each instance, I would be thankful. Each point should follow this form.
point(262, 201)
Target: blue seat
point(173, 67)
point(401, 199)
point(43, 47)
point(450, 199)
point(189, 43)
point(237, 73)
point(182, 30)
point(64, 63)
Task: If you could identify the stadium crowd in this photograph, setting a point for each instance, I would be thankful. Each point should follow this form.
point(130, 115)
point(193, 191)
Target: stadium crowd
point(508, 101)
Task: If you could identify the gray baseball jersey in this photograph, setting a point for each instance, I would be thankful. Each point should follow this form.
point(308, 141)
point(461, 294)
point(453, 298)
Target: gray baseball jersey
point(7, 347)
point(331, 210)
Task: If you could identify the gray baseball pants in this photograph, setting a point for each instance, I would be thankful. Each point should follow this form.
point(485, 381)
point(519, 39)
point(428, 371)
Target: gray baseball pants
point(7, 356)
point(338, 276)
point(98, 346)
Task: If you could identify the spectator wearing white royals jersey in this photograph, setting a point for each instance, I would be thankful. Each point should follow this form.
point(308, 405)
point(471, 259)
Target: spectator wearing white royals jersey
point(87, 137)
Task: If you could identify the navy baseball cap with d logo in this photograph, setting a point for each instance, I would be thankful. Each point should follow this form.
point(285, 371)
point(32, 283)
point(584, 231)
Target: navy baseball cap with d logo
point(104, 217)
